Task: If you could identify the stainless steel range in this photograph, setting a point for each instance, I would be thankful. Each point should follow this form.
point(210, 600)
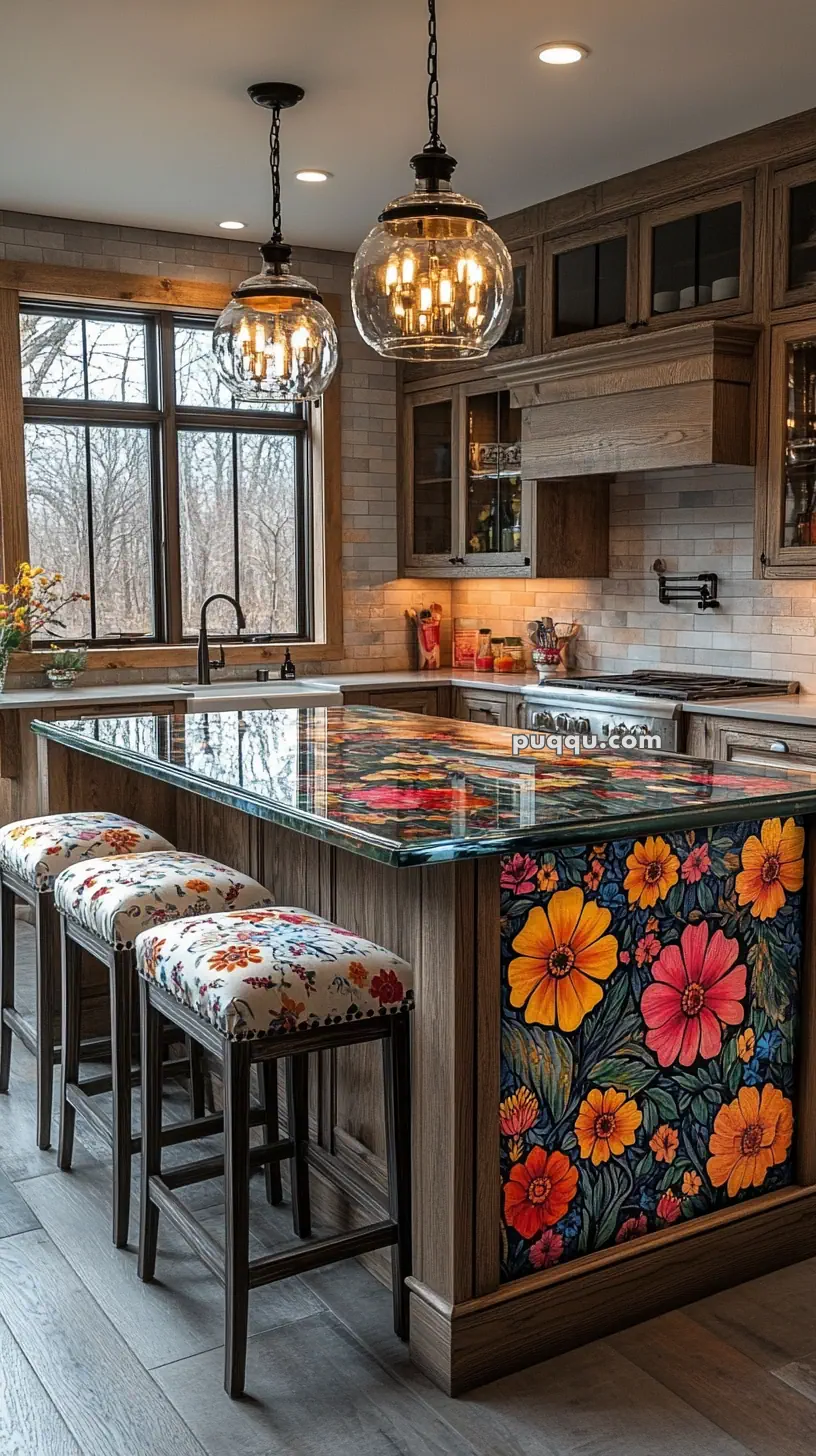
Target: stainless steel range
point(636, 705)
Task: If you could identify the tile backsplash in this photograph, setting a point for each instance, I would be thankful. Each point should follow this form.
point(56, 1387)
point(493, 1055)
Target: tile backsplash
point(696, 521)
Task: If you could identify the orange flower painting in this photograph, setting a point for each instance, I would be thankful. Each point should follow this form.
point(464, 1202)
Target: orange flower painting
point(750, 1135)
point(606, 1124)
point(772, 867)
point(653, 870)
point(539, 1191)
point(564, 956)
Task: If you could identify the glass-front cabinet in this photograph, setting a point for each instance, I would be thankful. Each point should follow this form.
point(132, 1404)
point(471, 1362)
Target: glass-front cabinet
point(463, 496)
point(794, 204)
point(492, 498)
point(791, 488)
point(697, 260)
point(588, 284)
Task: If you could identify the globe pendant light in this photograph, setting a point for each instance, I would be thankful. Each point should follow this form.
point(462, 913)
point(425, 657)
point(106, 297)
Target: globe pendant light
point(275, 340)
point(432, 280)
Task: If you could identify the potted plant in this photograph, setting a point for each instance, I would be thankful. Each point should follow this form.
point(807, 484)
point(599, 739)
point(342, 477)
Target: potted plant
point(66, 664)
point(33, 601)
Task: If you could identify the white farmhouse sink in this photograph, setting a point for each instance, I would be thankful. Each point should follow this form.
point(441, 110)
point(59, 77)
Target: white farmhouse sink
point(233, 696)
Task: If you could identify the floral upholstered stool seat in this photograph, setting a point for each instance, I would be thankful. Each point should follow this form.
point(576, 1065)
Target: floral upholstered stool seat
point(257, 986)
point(32, 853)
point(103, 905)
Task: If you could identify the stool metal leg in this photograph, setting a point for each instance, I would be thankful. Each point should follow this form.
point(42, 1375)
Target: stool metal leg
point(121, 996)
point(268, 1077)
point(151, 1059)
point(47, 932)
point(237, 1066)
point(297, 1096)
point(397, 1079)
point(71, 961)
point(6, 980)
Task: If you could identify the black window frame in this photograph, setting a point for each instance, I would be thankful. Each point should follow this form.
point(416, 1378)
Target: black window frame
point(165, 418)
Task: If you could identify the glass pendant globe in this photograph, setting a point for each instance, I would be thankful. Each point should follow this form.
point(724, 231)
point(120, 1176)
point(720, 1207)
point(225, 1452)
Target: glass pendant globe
point(432, 280)
point(275, 340)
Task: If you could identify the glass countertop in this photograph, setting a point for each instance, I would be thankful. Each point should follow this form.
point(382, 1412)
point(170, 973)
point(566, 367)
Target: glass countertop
point(407, 789)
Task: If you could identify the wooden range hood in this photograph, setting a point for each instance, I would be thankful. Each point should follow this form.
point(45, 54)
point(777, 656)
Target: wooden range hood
point(657, 401)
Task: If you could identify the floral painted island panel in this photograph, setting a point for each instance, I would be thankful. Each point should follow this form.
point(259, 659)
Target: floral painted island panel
point(408, 789)
point(649, 1023)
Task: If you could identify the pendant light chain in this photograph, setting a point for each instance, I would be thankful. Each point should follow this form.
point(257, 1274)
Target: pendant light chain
point(274, 163)
point(435, 143)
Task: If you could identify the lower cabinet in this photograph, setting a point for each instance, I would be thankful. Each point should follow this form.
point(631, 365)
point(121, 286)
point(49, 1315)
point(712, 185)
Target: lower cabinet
point(488, 705)
point(433, 701)
point(752, 744)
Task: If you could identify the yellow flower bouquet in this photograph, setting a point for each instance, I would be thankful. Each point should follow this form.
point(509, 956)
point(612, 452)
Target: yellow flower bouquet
point(32, 602)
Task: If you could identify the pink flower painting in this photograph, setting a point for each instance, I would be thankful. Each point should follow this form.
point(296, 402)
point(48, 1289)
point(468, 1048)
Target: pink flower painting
point(519, 874)
point(697, 989)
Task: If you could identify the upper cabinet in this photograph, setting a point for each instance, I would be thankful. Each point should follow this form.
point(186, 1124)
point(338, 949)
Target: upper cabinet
point(467, 512)
point(590, 284)
point(790, 548)
point(794, 235)
point(463, 491)
point(697, 261)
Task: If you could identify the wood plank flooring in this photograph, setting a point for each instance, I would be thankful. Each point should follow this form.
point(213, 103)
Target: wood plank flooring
point(92, 1363)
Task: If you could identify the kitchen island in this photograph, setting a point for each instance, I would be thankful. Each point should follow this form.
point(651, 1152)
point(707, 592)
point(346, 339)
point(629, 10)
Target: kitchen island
point(614, 1068)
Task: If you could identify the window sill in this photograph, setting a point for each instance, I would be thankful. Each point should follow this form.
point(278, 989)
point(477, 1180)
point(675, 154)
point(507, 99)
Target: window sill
point(103, 659)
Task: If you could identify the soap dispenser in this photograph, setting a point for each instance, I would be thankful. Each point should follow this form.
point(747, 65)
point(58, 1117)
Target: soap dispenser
point(287, 671)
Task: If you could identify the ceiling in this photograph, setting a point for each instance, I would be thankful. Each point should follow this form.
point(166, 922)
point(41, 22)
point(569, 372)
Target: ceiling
point(134, 111)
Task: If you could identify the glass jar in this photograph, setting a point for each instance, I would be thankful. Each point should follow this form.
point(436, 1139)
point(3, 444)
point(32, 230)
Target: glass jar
point(503, 660)
point(484, 651)
point(515, 647)
point(497, 647)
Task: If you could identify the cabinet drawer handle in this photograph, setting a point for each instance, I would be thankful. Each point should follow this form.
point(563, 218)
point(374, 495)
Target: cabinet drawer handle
point(779, 747)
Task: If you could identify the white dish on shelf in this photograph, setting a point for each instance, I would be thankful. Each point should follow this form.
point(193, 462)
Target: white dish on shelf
point(666, 301)
point(723, 288)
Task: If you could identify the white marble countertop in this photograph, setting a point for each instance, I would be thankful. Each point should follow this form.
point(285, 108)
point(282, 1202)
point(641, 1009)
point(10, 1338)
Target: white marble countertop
point(793, 709)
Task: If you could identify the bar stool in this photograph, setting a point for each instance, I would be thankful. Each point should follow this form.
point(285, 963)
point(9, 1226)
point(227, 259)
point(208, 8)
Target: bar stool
point(103, 904)
point(32, 853)
point(255, 987)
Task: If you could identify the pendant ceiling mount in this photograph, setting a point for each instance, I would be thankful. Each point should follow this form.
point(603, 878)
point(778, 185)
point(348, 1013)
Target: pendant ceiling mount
point(432, 280)
point(276, 341)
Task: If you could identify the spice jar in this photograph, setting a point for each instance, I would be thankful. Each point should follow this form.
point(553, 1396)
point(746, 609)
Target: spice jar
point(515, 647)
point(484, 651)
point(503, 660)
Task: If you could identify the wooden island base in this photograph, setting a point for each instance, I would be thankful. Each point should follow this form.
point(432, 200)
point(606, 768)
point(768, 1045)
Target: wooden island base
point(466, 1327)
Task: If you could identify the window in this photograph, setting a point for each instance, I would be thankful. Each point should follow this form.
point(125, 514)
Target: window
point(149, 487)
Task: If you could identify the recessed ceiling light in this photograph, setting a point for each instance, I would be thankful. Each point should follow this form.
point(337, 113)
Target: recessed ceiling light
point(313, 174)
point(232, 226)
point(562, 53)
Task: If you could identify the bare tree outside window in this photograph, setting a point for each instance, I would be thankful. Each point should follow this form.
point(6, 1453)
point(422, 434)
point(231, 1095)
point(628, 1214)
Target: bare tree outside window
point(102, 423)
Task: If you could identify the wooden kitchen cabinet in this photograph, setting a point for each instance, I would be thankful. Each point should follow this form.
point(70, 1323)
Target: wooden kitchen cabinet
point(790, 515)
point(463, 504)
point(401, 700)
point(696, 259)
point(590, 284)
point(752, 744)
point(794, 235)
point(493, 706)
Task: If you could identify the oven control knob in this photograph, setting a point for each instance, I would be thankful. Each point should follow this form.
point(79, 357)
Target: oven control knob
point(583, 726)
point(541, 720)
point(562, 723)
